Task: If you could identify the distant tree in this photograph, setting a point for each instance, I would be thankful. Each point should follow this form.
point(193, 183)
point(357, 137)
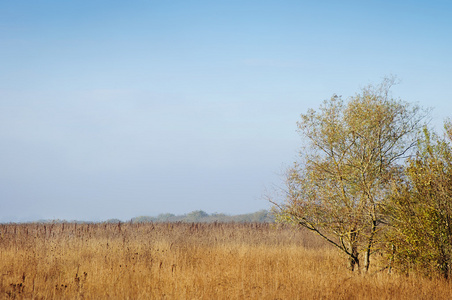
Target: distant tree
point(351, 154)
point(142, 219)
point(113, 221)
point(165, 217)
point(421, 209)
point(196, 216)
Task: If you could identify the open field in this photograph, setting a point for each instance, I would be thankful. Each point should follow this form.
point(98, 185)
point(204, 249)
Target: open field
point(187, 261)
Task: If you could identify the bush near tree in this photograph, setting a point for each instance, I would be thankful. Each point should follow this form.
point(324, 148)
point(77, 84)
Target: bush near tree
point(420, 209)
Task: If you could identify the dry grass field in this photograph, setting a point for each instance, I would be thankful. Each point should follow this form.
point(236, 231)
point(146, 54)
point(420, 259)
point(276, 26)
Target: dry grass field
point(187, 261)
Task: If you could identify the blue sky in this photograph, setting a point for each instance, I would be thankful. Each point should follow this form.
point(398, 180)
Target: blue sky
point(116, 109)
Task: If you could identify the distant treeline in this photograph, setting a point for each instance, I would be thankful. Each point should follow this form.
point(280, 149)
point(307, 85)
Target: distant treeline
point(262, 216)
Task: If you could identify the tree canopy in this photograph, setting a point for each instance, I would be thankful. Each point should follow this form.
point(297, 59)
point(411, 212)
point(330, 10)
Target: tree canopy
point(353, 151)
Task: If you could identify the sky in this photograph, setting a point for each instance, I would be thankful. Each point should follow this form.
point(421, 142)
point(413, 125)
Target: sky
point(118, 109)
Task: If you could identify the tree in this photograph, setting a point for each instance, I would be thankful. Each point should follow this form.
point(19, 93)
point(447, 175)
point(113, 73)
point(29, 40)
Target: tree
point(196, 216)
point(351, 154)
point(421, 209)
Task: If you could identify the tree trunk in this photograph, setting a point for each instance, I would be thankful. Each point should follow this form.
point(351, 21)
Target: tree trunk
point(370, 244)
point(391, 260)
point(354, 262)
point(353, 250)
point(443, 263)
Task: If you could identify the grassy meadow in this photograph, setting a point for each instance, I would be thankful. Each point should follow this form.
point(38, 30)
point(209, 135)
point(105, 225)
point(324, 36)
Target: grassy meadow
point(188, 261)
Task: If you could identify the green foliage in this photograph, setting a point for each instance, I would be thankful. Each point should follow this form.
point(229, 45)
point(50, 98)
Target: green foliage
point(350, 157)
point(421, 210)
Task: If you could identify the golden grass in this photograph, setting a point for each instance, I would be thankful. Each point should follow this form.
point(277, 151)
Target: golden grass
point(187, 261)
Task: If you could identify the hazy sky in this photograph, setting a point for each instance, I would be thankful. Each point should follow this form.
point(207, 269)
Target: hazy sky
point(116, 109)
